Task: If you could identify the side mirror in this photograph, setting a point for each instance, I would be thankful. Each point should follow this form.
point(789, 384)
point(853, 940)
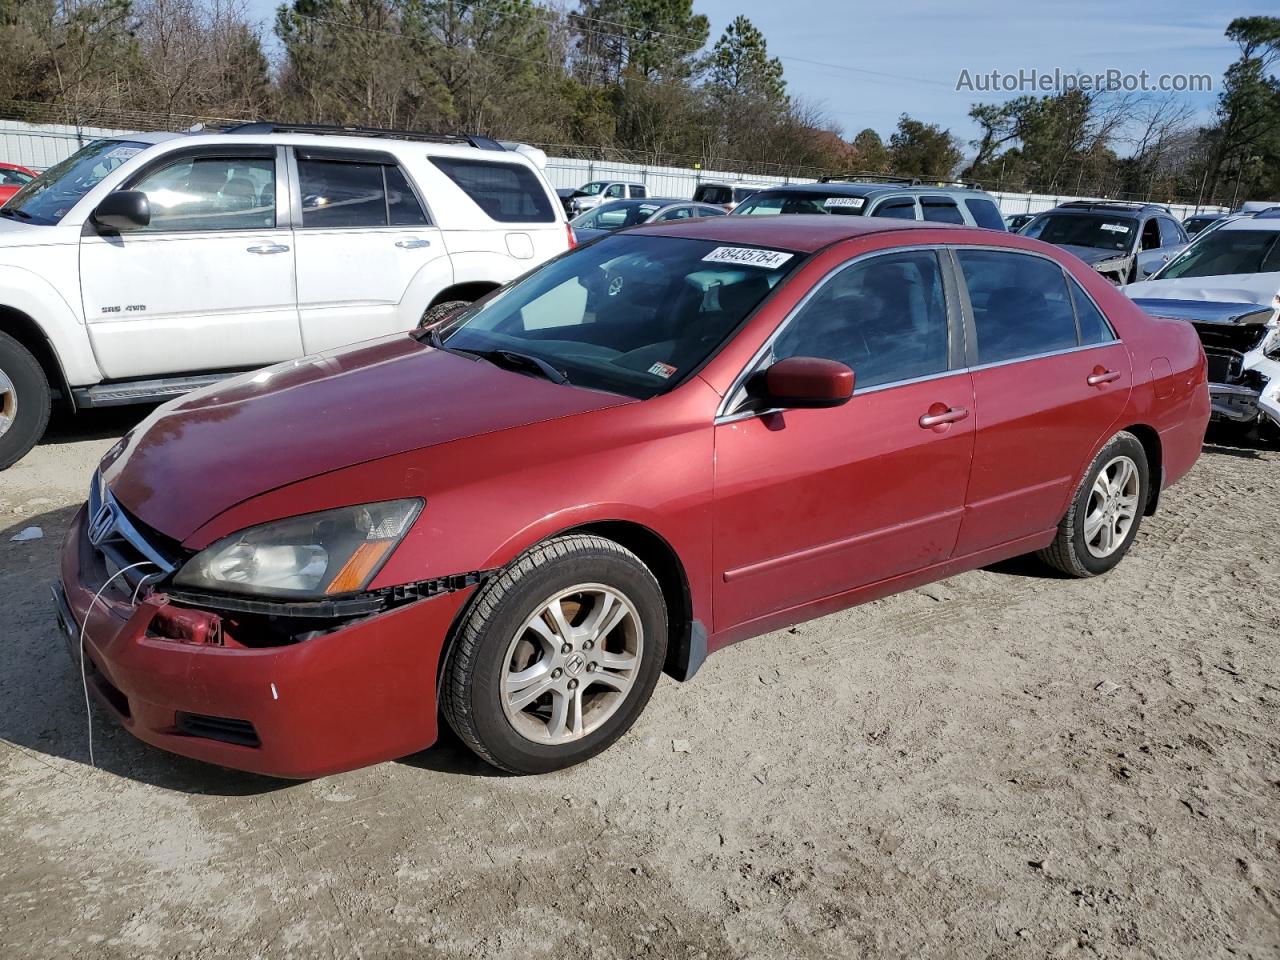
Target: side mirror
point(807, 382)
point(123, 210)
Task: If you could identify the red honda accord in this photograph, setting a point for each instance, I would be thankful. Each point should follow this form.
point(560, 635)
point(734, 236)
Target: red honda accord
point(656, 445)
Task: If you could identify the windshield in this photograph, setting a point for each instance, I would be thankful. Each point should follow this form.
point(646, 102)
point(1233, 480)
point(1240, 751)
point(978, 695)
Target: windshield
point(592, 188)
point(49, 197)
point(630, 314)
point(774, 202)
point(1079, 230)
point(1222, 252)
point(620, 213)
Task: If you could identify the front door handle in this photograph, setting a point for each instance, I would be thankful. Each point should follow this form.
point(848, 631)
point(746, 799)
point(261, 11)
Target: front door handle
point(950, 415)
point(265, 248)
point(412, 244)
point(1103, 376)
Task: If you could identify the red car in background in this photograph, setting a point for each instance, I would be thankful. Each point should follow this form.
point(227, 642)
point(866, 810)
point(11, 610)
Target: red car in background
point(12, 179)
point(656, 445)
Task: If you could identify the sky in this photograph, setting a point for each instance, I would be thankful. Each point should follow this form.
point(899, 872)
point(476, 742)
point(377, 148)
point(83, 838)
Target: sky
point(862, 64)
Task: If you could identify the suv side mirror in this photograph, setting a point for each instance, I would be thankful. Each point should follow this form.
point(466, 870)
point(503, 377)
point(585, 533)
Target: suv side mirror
point(807, 382)
point(123, 210)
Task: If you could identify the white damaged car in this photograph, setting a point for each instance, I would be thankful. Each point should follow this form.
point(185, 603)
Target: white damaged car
point(1227, 284)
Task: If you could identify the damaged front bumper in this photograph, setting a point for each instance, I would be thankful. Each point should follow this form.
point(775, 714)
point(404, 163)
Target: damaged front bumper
point(347, 693)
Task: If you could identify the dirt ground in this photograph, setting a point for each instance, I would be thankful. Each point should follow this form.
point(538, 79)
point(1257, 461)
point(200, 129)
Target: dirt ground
point(1006, 764)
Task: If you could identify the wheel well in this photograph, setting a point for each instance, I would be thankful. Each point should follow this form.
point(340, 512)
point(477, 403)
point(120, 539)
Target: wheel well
point(470, 292)
point(1150, 441)
point(656, 554)
point(28, 333)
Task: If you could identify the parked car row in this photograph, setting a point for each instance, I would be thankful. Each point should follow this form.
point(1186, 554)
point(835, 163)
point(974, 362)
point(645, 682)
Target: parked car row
point(550, 472)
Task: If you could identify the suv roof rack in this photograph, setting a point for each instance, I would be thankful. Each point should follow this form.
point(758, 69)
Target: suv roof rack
point(333, 130)
point(856, 177)
point(1113, 205)
point(912, 181)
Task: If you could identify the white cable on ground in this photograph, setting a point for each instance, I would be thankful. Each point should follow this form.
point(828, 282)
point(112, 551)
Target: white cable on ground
point(84, 681)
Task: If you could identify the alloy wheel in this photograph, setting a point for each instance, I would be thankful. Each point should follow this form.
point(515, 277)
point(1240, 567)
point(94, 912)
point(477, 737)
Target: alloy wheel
point(571, 664)
point(1112, 507)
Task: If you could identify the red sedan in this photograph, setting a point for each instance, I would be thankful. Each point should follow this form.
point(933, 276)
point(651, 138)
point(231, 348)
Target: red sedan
point(658, 444)
point(12, 179)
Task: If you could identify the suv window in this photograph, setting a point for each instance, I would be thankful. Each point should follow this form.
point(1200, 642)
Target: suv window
point(1020, 304)
point(340, 194)
point(941, 209)
point(638, 191)
point(899, 208)
point(710, 193)
point(1150, 235)
point(885, 317)
point(507, 192)
point(615, 191)
point(984, 213)
point(1094, 327)
point(211, 193)
point(1170, 232)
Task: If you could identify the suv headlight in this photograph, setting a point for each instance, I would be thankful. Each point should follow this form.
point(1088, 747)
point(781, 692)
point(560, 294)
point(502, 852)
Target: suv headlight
point(311, 556)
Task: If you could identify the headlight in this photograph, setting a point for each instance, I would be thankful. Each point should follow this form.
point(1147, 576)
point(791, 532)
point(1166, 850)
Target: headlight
point(309, 557)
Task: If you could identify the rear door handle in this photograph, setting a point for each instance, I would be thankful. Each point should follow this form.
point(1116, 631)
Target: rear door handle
point(412, 244)
point(265, 248)
point(947, 416)
point(1106, 376)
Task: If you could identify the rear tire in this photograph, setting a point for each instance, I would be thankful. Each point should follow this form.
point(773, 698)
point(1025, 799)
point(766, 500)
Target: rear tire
point(1105, 512)
point(24, 401)
point(557, 656)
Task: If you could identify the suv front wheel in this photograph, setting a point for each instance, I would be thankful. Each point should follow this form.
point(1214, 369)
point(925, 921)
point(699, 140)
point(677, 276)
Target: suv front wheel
point(24, 401)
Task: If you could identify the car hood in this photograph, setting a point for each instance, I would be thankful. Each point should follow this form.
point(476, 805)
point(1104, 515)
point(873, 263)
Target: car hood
point(1092, 255)
point(205, 452)
point(1228, 288)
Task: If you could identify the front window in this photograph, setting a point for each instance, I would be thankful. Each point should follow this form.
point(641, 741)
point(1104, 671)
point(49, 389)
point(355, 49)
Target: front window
point(49, 197)
point(631, 314)
point(1225, 252)
point(14, 178)
point(592, 188)
point(776, 202)
point(211, 193)
point(1083, 230)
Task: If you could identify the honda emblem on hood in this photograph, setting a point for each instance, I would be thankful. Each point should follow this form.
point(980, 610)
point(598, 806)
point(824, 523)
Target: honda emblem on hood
point(102, 524)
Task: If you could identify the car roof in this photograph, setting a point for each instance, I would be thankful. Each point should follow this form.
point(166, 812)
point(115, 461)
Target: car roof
point(803, 233)
point(1260, 222)
point(1110, 212)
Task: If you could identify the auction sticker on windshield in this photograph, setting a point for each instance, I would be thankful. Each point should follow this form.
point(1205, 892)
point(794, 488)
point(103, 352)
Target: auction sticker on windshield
point(748, 257)
point(1115, 227)
point(854, 203)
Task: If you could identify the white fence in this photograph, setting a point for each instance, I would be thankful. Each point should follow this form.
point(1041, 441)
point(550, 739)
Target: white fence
point(41, 145)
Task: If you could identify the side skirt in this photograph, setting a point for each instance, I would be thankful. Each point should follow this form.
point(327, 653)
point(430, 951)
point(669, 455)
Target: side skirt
point(813, 609)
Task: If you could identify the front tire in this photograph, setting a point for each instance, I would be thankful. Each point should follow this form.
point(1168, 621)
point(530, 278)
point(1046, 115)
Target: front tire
point(24, 401)
point(557, 656)
point(1105, 512)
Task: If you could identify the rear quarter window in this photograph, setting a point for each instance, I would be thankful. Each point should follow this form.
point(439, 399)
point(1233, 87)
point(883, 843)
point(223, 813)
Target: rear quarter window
point(507, 192)
point(984, 213)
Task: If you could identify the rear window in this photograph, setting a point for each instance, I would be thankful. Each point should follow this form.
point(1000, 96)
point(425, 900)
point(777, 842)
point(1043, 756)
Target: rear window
point(941, 210)
point(507, 192)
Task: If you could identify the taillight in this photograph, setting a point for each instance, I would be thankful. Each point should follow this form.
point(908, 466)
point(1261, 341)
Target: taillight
point(573, 241)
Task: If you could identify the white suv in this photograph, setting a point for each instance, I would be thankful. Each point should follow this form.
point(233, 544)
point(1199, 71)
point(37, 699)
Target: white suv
point(143, 267)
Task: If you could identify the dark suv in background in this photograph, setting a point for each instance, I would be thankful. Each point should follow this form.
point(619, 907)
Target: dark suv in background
point(873, 195)
point(1111, 235)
